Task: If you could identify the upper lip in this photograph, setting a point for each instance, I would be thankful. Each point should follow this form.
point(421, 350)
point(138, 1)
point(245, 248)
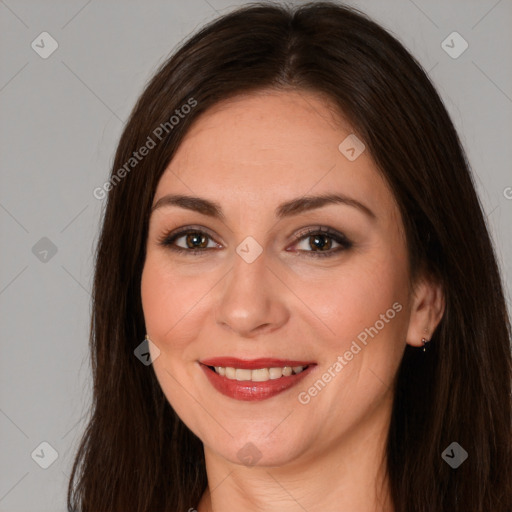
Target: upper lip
point(253, 364)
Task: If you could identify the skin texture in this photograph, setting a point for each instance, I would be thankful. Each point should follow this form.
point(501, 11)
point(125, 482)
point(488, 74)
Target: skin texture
point(250, 154)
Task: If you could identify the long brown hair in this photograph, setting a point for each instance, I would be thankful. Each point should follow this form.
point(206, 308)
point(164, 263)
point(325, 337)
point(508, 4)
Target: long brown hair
point(136, 454)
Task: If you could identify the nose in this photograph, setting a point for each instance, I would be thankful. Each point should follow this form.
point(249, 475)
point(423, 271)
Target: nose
point(253, 300)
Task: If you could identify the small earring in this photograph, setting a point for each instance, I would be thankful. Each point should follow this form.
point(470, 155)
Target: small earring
point(424, 341)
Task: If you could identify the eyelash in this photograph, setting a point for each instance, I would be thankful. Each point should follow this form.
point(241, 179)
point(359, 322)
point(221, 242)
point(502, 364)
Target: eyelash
point(168, 239)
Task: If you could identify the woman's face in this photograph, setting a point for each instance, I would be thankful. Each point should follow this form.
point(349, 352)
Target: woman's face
point(257, 279)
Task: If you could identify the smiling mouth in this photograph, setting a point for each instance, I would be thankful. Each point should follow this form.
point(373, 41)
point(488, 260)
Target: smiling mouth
point(254, 379)
point(258, 374)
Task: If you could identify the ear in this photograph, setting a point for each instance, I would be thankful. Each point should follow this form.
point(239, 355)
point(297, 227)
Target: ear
point(427, 308)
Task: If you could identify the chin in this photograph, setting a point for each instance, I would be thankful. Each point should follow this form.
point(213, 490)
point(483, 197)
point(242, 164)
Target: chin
point(260, 451)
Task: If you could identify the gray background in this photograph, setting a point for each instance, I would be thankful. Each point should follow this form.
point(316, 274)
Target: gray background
point(61, 118)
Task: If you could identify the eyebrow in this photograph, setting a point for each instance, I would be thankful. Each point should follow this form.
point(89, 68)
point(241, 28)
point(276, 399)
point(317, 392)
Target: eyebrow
point(287, 209)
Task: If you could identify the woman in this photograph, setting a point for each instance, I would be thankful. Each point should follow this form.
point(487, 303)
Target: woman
point(293, 239)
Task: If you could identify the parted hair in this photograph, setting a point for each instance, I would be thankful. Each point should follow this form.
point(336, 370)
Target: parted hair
point(136, 454)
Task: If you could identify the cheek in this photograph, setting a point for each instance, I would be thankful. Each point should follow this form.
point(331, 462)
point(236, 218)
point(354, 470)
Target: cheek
point(365, 308)
point(352, 297)
point(168, 299)
point(364, 305)
point(171, 306)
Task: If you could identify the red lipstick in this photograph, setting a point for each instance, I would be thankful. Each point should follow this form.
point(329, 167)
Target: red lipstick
point(253, 364)
point(248, 390)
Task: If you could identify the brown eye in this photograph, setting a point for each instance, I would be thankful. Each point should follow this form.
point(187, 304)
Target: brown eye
point(196, 240)
point(319, 242)
point(190, 240)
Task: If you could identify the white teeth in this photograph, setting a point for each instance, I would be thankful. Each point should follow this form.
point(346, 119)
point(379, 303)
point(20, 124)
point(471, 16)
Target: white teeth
point(242, 374)
point(275, 373)
point(258, 375)
point(287, 371)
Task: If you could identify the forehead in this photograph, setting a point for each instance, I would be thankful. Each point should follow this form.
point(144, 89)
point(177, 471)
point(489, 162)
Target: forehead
point(271, 145)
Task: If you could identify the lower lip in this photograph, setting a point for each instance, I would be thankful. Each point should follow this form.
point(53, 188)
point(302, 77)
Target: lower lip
point(248, 390)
